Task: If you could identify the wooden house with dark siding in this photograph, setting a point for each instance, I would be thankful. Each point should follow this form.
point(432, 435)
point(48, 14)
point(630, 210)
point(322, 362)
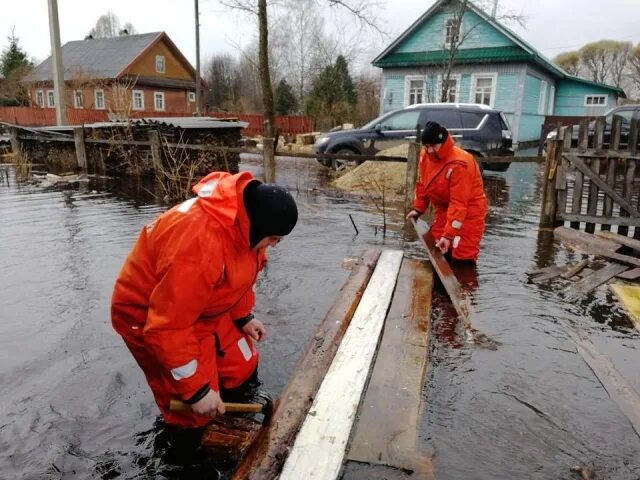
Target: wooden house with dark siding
point(128, 73)
point(493, 66)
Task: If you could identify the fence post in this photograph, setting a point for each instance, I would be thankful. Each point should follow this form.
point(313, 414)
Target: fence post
point(549, 195)
point(15, 141)
point(81, 151)
point(156, 152)
point(412, 173)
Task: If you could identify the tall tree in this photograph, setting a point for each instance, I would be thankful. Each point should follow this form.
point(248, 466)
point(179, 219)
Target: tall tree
point(108, 25)
point(14, 61)
point(221, 73)
point(285, 100)
point(333, 97)
point(368, 92)
point(605, 60)
point(569, 62)
point(14, 65)
point(634, 68)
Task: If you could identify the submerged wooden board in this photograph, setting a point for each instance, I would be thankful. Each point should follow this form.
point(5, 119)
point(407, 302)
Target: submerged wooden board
point(319, 449)
point(386, 432)
point(631, 274)
point(265, 457)
point(621, 239)
point(584, 242)
point(616, 386)
point(629, 296)
point(593, 281)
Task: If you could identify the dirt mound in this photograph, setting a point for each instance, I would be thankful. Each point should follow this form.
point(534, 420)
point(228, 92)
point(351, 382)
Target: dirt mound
point(375, 178)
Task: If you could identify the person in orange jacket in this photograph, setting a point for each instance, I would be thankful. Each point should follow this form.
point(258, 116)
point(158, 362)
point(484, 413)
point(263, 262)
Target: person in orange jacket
point(183, 299)
point(450, 179)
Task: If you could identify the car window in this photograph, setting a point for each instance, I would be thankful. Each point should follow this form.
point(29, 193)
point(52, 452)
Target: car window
point(493, 124)
point(471, 119)
point(448, 118)
point(401, 121)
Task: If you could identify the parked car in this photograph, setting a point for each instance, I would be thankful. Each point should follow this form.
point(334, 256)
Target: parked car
point(626, 112)
point(479, 129)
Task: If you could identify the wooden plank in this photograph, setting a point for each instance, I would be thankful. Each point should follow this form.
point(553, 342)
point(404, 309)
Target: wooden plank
point(616, 386)
point(264, 459)
point(576, 202)
point(627, 191)
point(584, 242)
point(583, 136)
point(607, 210)
point(629, 296)
point(556, 271)
point(592, 199)
point(549, 214)
point(621, 239)
point(387, 429)
point(616, 128)
point(579, 164)
point(593, 281)
point(598, 219)
point(598, 136)
point(319, 449)
point(538, 271)
point(631, 274)
point(81, 152)
point(575, 269)
point(561, 187)
point(411, 176)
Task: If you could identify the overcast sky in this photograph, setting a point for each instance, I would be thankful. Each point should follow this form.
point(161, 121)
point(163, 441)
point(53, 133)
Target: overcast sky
point(552, 26)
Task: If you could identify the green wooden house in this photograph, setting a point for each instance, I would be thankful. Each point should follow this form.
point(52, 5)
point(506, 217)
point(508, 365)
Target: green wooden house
point(492, 65)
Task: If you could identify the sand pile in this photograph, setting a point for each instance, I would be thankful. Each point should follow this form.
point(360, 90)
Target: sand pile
point(374, 178)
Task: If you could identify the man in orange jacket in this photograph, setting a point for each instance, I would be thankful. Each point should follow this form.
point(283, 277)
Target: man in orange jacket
point(183, 299)
point(449, 179)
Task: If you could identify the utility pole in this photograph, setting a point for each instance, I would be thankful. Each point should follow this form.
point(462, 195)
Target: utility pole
point(198, 86)
point(56, 60)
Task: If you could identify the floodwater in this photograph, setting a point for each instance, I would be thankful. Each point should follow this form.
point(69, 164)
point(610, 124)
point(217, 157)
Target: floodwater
point(74, 404)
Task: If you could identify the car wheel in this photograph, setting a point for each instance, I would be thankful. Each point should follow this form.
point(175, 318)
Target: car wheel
point(339, 164)
point(497, 167)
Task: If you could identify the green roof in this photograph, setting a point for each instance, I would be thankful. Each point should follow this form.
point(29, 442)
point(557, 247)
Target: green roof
point(467, 55)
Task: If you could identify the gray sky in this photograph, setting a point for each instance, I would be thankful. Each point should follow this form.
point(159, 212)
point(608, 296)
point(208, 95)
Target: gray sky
point(553, 26)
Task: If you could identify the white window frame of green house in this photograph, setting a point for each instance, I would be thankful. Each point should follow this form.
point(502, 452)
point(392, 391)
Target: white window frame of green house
point(158, 107)
point(448, 30)
point(542, 98)
point(191, 96)
point(160, 64)
point(596, 100)
point(484, 76)
point(411, 94)
point(98, 97)
point(51, 99)
point(137, 95)
point(40, 98)
point(455, 77)
point(552, 100)
point(77, 99)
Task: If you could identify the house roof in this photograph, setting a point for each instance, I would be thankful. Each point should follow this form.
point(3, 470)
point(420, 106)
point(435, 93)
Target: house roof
point(103, 58)
point(523, 51)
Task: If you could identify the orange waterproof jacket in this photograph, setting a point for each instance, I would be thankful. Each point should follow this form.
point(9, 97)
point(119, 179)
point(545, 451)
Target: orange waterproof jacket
point(189, 268)
point(452, 183)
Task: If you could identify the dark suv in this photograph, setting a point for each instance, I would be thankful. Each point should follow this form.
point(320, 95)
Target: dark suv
point(479, 129)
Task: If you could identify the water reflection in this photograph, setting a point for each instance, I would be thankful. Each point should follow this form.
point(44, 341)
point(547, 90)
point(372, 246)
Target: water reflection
point(74, 406)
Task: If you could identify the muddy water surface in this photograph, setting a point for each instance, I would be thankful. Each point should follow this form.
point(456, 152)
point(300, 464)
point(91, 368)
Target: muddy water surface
point(74, 405)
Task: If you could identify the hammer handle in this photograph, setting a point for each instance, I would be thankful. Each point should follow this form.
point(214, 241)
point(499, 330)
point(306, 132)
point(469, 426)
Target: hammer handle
point(178, 405)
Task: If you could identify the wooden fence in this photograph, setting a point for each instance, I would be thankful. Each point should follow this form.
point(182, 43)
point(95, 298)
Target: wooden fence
point(591, 180)
point(40, 117)
point(553, 122)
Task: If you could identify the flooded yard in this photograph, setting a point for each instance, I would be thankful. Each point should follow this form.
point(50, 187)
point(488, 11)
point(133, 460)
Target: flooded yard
point(74, 404)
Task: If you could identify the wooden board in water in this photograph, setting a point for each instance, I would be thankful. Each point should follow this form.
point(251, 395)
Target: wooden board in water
point(386, 431)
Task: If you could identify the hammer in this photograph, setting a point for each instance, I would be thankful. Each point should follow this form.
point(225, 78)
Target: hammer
point(265, 407)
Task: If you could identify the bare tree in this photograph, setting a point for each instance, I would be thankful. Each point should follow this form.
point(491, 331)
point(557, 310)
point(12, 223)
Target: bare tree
point(569, 62)
point(108, 25)
point(368, 104)
point(605, 60)
point(634, 68)
point(360, 9)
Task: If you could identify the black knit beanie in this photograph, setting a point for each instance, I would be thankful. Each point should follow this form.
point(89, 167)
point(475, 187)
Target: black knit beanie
point(433, 134)
point(271, 210)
